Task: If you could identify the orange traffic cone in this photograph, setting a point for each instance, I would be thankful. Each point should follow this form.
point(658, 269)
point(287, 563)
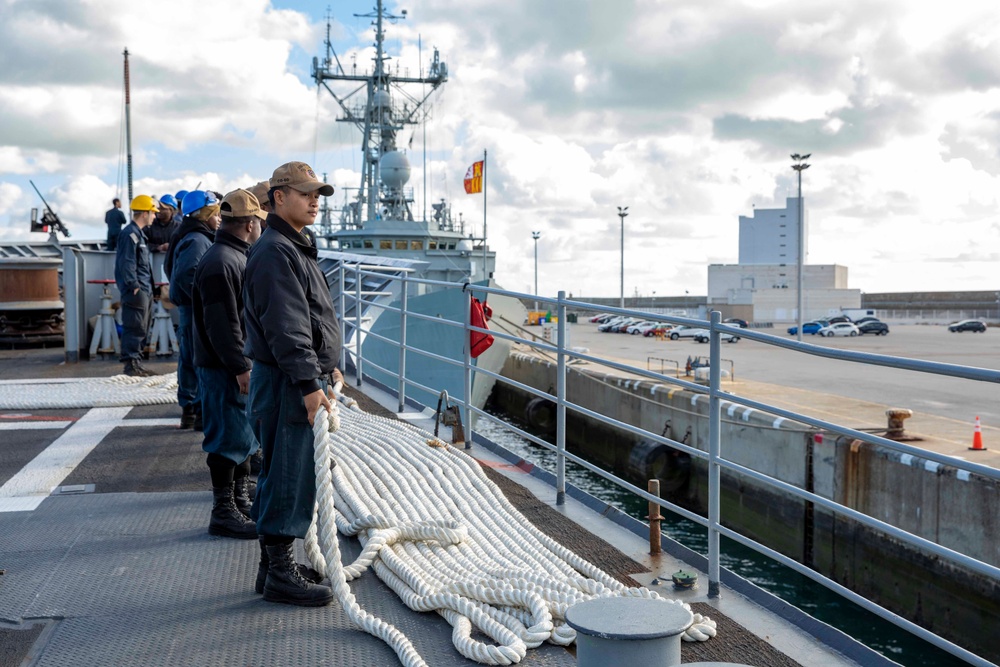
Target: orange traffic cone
point(977, 438)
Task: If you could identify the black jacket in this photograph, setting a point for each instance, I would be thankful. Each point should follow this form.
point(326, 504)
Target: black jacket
point(217, 305)
point(187, 226)
point(157, 234)
point(290, 320)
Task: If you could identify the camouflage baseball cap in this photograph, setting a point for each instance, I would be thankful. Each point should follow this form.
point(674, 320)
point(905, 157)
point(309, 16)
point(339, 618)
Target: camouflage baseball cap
point(299, 176)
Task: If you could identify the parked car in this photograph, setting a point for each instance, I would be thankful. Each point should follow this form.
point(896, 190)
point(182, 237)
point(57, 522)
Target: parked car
point(684, 332)
point(601, 318)
point(838, 329)
point(659, 330)
point(742, 324)
point(622, 327)
point(642, 327)
point(967, 325)
point(703, 337)
point(866, 319)
point(839, 318)
point(612, 324)
point(809, 327)
point(873, 326)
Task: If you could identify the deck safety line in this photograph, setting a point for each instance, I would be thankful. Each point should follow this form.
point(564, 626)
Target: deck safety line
point(438, 532)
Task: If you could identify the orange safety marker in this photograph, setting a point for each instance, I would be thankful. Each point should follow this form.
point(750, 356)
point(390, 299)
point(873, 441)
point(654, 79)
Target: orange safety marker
point(977, 438)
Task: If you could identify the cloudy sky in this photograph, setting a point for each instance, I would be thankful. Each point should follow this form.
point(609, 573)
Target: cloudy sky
point(684, 110)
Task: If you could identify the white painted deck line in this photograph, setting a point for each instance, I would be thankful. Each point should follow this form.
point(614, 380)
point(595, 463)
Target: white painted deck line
point(33, 426)
point(35, 481)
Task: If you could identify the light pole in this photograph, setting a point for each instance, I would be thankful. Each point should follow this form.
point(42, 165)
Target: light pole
point(536, 236)
point(799, 166)
point(622, 213)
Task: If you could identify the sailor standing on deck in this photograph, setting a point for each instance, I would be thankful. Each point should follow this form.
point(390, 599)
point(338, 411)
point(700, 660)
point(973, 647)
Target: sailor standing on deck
point(294, 341)
point(187, 245)
point(134, 278)
point(223, 371)
point(115, 220)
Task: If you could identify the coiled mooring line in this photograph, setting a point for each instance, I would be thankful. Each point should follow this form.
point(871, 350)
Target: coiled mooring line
point(444, 538)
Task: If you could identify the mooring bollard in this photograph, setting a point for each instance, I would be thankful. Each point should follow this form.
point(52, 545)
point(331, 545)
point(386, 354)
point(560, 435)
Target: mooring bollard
point(628, 631)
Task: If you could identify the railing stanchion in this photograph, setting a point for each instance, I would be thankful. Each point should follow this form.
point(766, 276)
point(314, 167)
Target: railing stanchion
point(561, 401)
point(357, 321)
point(467, 347)
point(714, 447)
point(342, 300)
point(402, 342)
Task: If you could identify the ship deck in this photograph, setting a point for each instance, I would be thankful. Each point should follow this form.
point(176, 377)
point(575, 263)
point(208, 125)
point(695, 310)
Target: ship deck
point(116, 566)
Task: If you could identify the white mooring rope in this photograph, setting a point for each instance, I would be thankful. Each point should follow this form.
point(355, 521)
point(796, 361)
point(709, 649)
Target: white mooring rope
point(439, 533)
point(102, 392)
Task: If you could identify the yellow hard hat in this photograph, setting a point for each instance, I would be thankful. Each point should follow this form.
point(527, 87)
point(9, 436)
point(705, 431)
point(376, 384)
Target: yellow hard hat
point(144, 203)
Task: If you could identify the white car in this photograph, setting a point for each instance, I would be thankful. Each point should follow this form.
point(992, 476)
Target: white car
point(641, 327)
point(840, 329)
point(703, 336)
point(684, 332)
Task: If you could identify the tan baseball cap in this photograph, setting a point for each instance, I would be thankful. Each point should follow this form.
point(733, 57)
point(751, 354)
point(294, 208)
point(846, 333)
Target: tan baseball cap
point(260, 192)
point(239, 203)
point(299, 176)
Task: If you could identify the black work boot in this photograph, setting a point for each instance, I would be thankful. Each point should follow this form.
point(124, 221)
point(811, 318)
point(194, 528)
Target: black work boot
point(133, 368)
point(227, 520)
point(309, 574)
point(187, 417)
point(285, 584)
point(243, 492)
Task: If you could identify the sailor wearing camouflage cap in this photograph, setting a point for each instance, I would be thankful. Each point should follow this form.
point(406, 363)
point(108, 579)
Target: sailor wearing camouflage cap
point(294, 341)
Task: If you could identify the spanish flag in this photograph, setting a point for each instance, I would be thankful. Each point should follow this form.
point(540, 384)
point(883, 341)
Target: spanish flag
point(474, 178)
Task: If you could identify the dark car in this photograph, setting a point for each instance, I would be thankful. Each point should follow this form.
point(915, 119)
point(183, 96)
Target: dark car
point(836, 320)
point(742, 324)
point(866, 319)
point(967, 325)
point(874, 327)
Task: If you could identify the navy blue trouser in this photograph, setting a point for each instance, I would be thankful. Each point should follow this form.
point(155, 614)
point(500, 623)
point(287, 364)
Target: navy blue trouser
point(227, 429)
point(136, 309)
point(286, 485)
point(187, 377)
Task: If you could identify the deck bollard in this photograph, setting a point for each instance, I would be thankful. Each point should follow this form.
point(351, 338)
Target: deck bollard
point(628, 631)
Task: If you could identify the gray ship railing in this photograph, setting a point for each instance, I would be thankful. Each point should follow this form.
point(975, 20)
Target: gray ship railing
point(353, 329)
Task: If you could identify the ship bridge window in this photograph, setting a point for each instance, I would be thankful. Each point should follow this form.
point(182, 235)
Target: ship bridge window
point(385, 244)
point(355, 244)
point(369, 244)
point(451, 246)
point(401, 245)
point(416, 245)
point(432, 245)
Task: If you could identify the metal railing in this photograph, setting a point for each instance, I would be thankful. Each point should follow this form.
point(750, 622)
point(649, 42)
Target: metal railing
point(714, 458)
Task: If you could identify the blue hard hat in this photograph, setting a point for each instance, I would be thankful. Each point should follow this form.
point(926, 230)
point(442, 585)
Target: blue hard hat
point(197, 199)
point(169, 201)
point(180, 195)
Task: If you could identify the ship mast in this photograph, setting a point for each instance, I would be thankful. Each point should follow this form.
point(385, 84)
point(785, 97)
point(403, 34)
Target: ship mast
point(385, 110)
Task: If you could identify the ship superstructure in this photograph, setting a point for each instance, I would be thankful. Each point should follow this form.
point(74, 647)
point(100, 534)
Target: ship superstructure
point(379, 218)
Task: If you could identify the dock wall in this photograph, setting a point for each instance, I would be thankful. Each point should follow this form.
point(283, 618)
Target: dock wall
point(939, 503)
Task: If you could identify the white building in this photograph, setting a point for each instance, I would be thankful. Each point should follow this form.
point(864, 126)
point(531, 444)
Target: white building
point(762, 287)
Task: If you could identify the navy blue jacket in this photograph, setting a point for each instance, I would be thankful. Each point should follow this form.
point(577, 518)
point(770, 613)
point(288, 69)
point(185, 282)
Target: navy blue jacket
point(186, 251)
point(218, 305)
point(290, 320)
point(132, 266)
point(115, 220)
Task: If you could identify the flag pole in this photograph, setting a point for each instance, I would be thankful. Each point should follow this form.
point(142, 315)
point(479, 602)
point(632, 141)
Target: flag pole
point(486, 273)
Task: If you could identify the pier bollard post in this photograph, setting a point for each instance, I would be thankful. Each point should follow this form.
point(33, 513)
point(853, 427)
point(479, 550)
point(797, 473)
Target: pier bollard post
point(653, 486)
point(628, 631)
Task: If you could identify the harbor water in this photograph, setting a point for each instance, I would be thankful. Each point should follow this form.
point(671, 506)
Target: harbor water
point(814, 599)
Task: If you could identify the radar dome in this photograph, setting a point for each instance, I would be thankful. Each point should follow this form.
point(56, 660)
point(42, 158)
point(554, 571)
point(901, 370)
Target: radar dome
point(381, 98)
point(395, 169)
point(465, 245)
